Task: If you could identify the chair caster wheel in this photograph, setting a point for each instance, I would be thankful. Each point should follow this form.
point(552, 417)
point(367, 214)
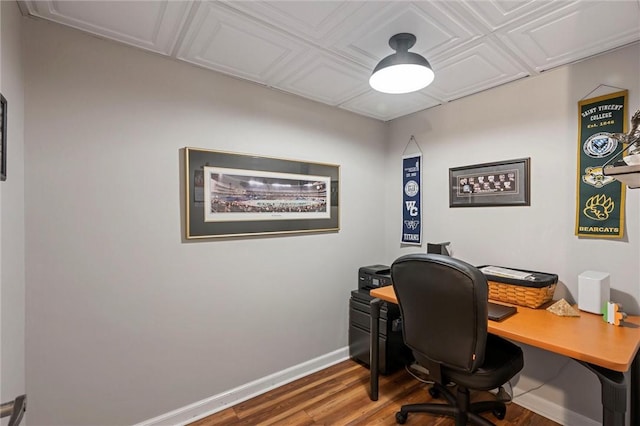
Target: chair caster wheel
point(434, 392)
point(401, 418)
point(499, 413)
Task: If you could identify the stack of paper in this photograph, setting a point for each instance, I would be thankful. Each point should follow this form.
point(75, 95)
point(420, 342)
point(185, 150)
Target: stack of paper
point(505, 272)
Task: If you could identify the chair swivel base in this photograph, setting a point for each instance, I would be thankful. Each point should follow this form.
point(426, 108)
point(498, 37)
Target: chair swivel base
point(460, 408)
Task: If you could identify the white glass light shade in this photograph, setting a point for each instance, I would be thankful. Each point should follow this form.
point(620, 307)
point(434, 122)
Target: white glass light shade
point(401, 78)
point(404, 71)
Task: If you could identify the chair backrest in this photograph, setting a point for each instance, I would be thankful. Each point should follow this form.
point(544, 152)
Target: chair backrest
point(443, 303)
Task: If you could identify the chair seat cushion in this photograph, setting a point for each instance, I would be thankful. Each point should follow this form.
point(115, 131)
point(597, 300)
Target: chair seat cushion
point(502, 361)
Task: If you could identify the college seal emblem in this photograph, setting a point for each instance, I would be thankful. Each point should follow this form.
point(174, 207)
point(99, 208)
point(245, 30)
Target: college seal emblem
point(411, 188)
point(600, 145)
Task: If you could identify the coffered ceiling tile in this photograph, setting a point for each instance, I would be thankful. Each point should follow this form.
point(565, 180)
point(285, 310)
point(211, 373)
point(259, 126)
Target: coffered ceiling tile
point(475, 68)
point(149, 25)
point(386, 107)
point(436, 30)
point(325, 50)
point(493, 14)
point(309, 20)
point(325, 78)
point(573, 32)
point(220, 40)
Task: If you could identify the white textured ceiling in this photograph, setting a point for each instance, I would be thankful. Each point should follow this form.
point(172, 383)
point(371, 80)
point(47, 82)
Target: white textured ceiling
point(325, 50)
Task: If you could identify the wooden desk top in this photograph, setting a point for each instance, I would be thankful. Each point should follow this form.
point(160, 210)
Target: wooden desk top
point(587, 338)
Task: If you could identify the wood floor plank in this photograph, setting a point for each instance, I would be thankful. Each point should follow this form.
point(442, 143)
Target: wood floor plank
point(304, 386)
point(327, 382)
point(339, 396)
point(224, 417)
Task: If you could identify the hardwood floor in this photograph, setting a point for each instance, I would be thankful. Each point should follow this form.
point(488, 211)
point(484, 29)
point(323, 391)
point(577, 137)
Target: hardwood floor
point(339, 395)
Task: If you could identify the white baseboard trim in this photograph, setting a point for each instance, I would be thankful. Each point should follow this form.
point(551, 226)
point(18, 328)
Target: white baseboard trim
point(551, 410)
point(213, 404)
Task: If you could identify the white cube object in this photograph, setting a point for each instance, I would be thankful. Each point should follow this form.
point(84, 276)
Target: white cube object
point(593, 291)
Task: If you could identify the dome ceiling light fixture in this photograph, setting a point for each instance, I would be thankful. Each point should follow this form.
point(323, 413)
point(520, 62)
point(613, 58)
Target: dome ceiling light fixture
point(403, 71)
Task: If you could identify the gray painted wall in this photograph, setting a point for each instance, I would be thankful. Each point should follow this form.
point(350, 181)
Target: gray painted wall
point(537, 118)
point(125, 320)
point(12, 257)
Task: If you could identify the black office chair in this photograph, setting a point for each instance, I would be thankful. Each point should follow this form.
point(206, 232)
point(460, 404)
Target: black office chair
point(443, 304)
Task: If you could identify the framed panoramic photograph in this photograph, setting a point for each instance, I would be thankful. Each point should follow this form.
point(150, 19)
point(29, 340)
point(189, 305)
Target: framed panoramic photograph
point(229, 195)
point(3, 138)
point(503, 183)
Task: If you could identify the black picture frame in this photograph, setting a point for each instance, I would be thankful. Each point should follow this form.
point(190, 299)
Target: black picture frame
point(502, 183)
point(3, 138)
point(289, 196)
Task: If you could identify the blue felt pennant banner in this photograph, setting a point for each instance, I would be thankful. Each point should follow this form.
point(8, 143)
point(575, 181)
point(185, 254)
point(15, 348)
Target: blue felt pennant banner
point(411, 199)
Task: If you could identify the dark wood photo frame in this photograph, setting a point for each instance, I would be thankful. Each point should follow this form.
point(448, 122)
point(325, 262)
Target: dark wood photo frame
point(3, 138)
point(502, 183)
point(234, 195)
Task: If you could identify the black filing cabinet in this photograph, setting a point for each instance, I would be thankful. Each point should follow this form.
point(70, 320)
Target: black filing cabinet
point(393, 352)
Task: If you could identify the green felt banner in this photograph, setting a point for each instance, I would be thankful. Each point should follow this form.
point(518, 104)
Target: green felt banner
point(600, 199)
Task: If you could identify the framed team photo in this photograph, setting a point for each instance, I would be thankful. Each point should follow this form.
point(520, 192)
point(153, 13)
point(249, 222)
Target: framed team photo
point(230, 195)
point(3, 138)
point(503, 183)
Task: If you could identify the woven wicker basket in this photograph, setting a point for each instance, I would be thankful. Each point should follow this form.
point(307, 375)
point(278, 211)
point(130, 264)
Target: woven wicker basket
point(520, 295)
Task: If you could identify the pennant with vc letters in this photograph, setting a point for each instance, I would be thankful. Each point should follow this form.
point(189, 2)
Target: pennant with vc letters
point(411, 199)
point(600, 199)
